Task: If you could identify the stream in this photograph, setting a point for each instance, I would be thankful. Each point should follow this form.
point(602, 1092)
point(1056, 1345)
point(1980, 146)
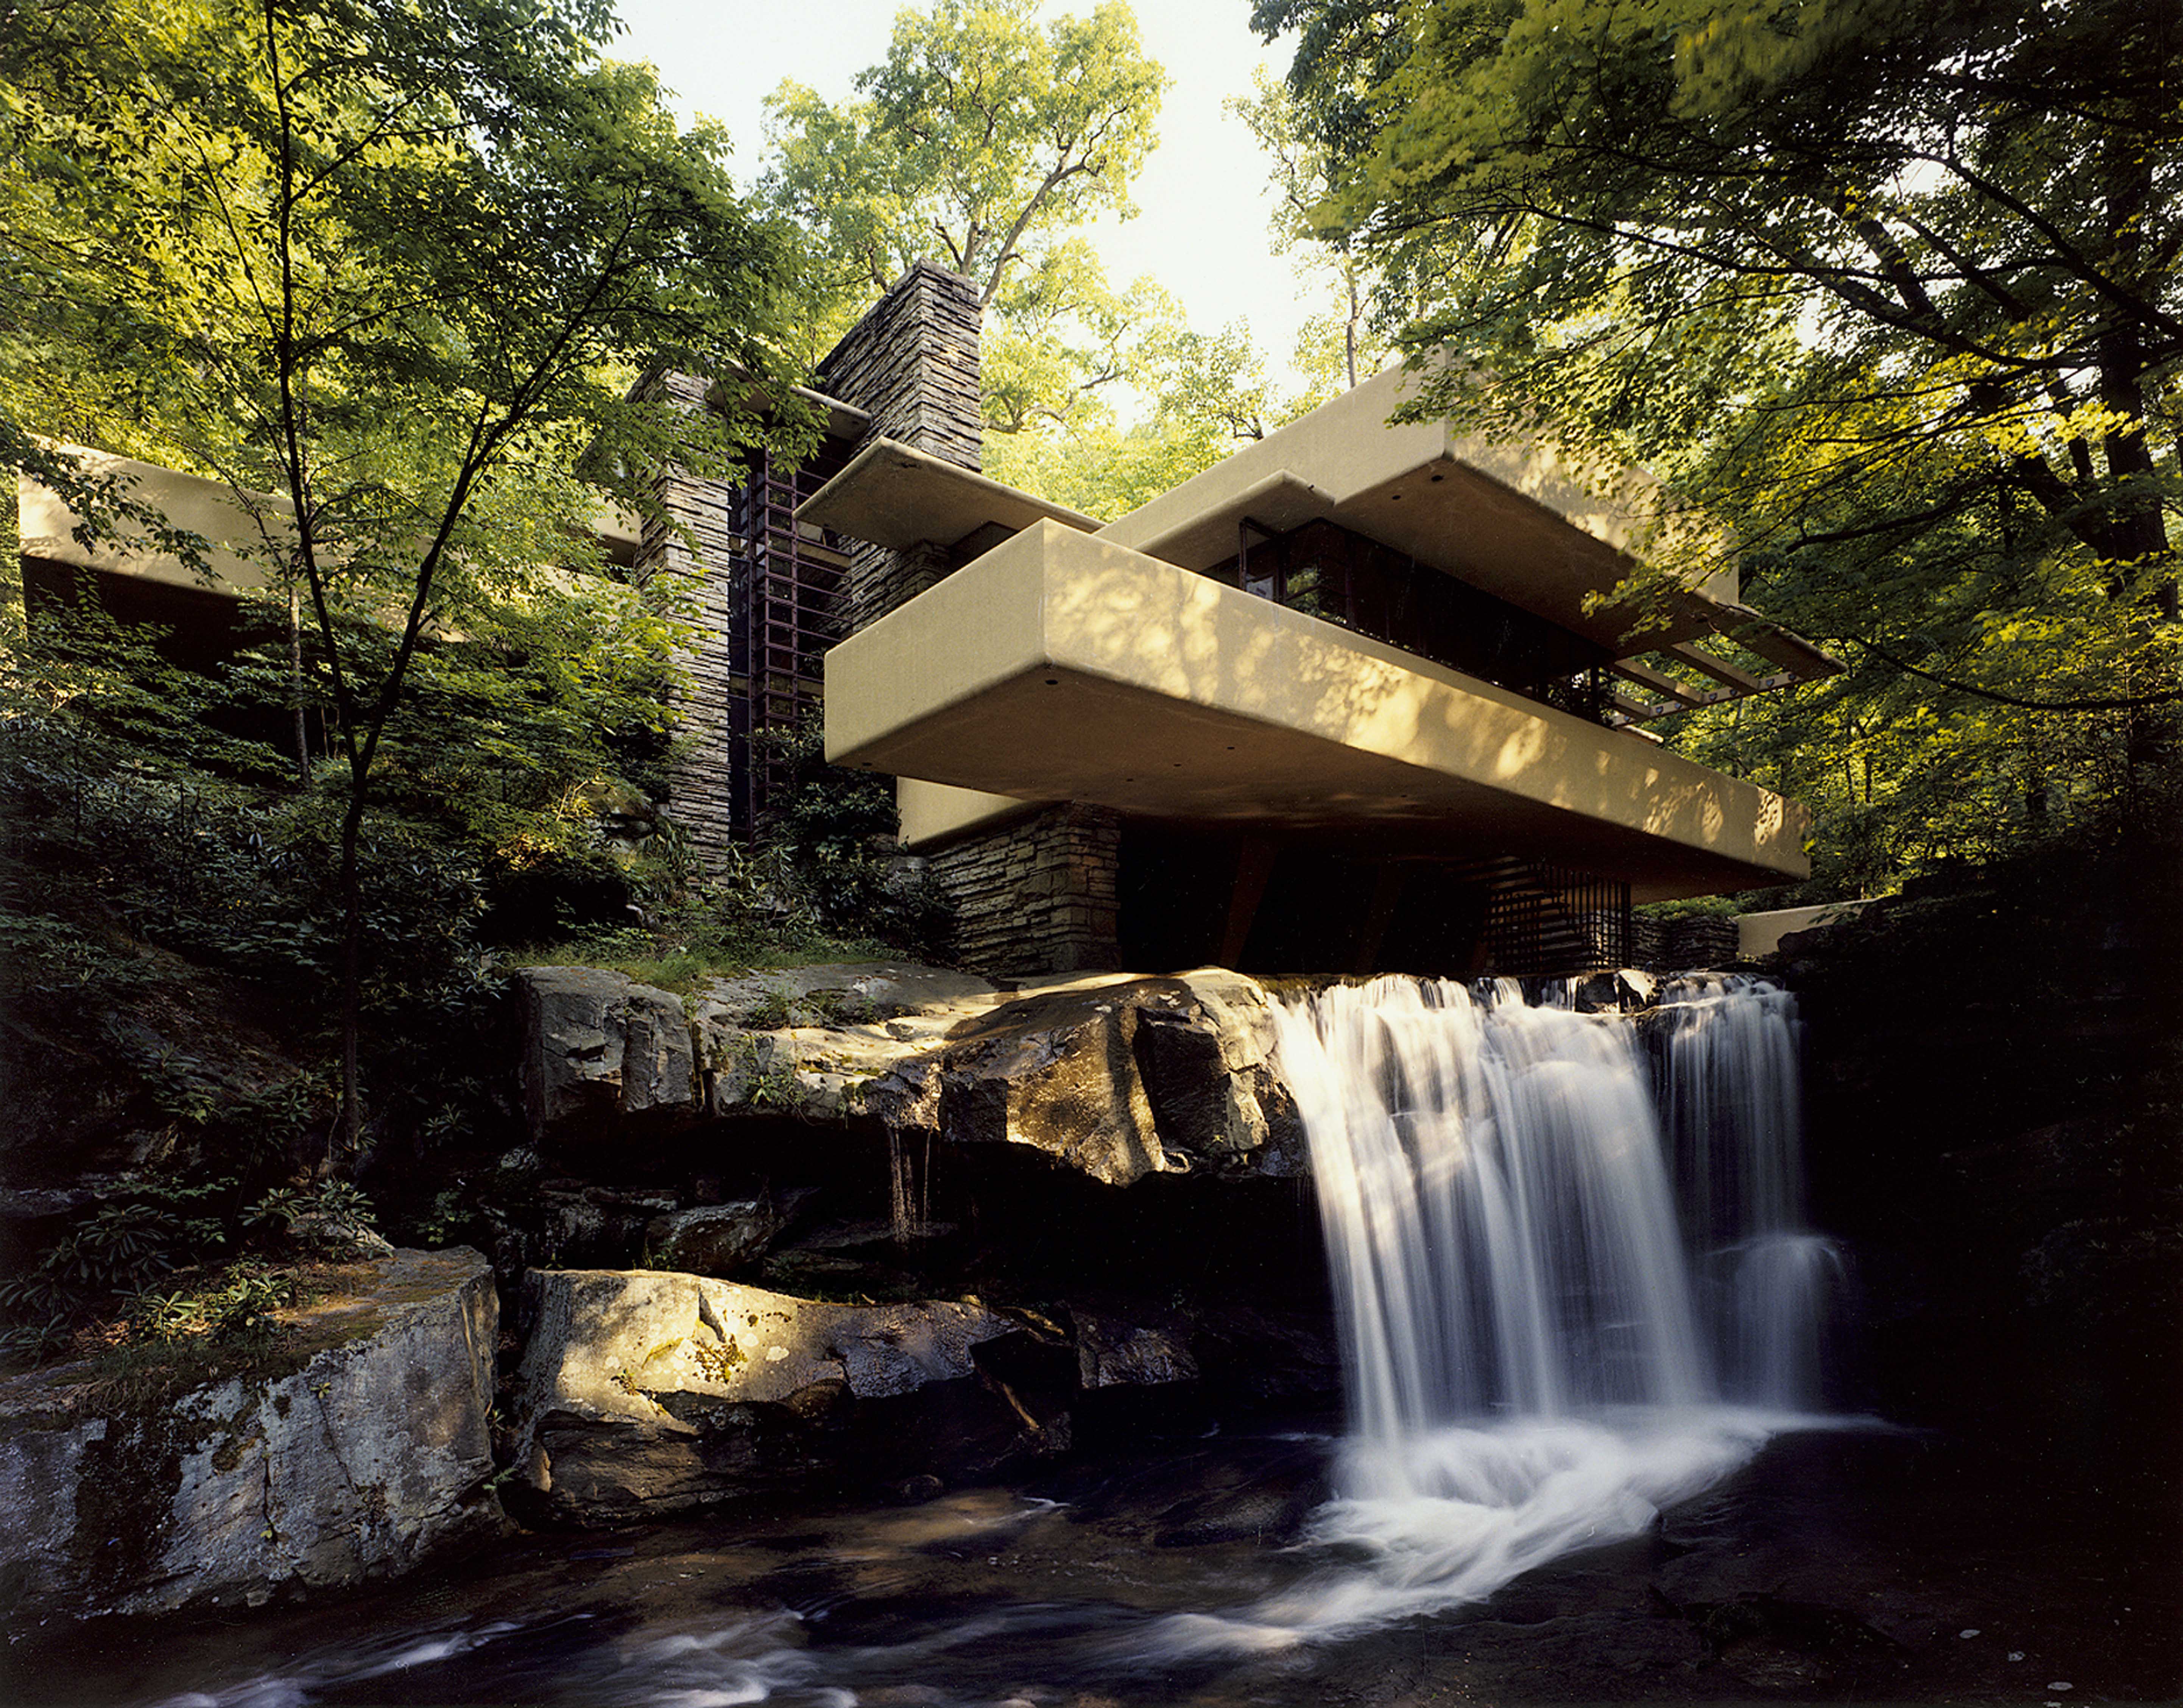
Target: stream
point(1585, 1455)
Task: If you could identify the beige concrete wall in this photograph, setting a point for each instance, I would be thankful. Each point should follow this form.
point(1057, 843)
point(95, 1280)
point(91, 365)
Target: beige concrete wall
point(239, 538)
point(1761, 933)
point(1527, 519)
point(932, 813)
point(239, 533)
point(1065, 665)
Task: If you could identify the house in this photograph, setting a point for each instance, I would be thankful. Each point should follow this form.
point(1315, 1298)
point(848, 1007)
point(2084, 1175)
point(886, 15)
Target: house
point(1341, 702)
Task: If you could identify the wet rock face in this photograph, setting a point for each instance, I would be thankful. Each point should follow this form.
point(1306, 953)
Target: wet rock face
point(714, 1238)
point(1113, 1077)
point(1118, 1079)
point(597, 1047)
point(1997, 1149)
point(1112, 1352)
point(926, 1141)
point(366, 1458)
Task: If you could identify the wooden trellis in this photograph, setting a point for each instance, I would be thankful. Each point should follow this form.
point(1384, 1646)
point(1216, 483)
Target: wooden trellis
point(786, 581)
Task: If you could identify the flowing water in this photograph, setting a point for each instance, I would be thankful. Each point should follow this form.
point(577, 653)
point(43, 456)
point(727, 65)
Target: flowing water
point(1730, 1098)
point(1574, 1287)
point(1541, 1353)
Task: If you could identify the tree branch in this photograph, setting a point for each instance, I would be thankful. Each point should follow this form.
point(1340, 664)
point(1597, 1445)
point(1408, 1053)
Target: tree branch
point(2128, 703)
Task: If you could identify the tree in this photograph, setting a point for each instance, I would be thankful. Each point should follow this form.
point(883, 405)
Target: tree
point(1892, 288)
point(1303, 175)
point(1061, 338)
point(1202, 394)
point(979, 140)
point(981, 143)
point(396, 266)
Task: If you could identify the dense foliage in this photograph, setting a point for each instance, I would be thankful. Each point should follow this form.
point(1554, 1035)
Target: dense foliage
point(388, 272)
point(982, 143)
point(171, 925)
point(1893, 290)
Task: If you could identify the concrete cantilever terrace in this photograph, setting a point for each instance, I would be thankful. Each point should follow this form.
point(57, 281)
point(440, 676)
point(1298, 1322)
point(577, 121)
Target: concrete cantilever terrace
point(1101, 668)
point(1517, 520)
point(1061, 666)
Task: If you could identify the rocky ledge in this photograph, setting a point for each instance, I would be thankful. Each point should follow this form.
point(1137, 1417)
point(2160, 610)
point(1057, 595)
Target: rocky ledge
point(643, 1394)
point(1114, 1077)
point(350, 1447)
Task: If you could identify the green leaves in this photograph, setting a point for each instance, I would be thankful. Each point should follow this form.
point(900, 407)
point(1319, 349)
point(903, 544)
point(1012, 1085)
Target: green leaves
point(396, 266)
point(1892, 291)
point(981, 143)
point(981, 139)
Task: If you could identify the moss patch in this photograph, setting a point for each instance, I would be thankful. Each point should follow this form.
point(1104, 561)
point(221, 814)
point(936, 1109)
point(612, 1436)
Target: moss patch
point(340, 1304)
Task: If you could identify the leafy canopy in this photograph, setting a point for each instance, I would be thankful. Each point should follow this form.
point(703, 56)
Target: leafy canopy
point(979, 142)
point(1892, 288)
point(388, 271)
point(983, 143)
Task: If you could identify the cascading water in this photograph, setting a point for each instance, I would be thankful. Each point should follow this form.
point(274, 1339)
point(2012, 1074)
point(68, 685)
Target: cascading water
point(1498, 1223)
point(1541, 1351)
point(1730, 1102)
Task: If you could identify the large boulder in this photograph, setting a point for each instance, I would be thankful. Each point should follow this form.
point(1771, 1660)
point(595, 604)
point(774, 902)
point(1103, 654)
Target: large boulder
point(1115, 1352)
point(1117, 1078)
point(1054, 1071)
point(353, 1449)
point(646, 1392)
point(714, 1239)
point(598, 1048)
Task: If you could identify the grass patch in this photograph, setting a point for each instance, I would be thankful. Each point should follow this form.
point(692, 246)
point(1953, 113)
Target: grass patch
point(685, 972)
point(205, 1327)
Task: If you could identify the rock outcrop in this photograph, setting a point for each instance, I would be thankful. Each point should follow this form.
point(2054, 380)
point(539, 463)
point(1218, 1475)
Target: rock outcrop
point(714, 1238)
point(646, 1392)
point(643, 1394)
point(1117, 1078)
point(598, 1047)
point(353, 1449)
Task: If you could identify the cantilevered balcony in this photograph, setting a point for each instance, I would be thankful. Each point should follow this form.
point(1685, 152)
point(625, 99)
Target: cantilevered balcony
point(1064, 666)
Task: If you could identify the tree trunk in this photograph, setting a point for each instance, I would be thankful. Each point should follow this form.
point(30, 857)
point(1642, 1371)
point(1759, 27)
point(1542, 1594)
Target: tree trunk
point(296, 686)
point(1349, 326)
point(352, 985)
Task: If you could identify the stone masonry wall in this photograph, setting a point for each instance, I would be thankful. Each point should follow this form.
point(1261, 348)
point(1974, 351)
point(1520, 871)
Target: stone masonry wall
point(1038, 895)
point(1679, 945)
point(912, 364)
point(703, 767)
point(881, 580)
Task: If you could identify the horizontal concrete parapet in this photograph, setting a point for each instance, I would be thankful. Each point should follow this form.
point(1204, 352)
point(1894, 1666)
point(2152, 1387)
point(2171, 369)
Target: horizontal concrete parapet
point(1525, 518)
point(245, 534)
point(241, 533)
point(1059, 666)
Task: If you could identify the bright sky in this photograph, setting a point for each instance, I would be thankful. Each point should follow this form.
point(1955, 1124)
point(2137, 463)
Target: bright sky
point(1205, 204)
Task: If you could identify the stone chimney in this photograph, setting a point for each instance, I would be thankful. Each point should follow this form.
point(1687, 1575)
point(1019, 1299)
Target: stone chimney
point(912, 364)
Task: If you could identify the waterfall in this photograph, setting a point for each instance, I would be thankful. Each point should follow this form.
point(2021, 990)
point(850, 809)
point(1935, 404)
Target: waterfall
point(1499, 1224)
point(1731, 1105)
point(1573, 1282)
